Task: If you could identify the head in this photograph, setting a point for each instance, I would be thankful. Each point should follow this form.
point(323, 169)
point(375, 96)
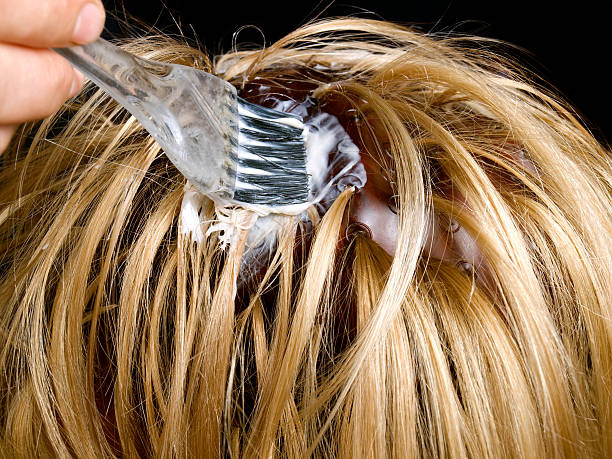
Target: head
point(456, 303)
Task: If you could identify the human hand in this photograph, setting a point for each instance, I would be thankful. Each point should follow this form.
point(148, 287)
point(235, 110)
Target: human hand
point(35, 81)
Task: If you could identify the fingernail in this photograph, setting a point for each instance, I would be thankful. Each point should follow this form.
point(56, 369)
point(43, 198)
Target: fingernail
point(89, 24)
point(77, 83)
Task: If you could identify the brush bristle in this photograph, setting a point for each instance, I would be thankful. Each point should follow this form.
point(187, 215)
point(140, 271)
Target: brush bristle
point(271, 158)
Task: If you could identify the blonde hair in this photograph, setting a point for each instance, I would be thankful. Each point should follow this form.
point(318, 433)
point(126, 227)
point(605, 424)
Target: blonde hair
point(122, 337)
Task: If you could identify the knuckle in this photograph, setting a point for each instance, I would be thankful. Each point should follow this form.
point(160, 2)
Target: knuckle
point(56, 86)
point(35, 84)
point(57, 19)
point(58, 8)
point(60, 76)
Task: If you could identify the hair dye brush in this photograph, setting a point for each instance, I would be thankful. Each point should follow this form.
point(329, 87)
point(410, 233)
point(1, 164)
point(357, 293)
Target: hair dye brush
point(230, 149)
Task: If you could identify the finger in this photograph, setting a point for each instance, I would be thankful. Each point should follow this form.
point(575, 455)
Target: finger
point(6, 134)
point(50, 23)
point(34, 83)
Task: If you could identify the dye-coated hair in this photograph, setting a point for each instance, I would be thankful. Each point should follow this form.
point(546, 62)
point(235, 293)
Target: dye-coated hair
point(123, 337)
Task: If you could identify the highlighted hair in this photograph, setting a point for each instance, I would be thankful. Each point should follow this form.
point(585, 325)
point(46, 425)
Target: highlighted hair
point(121, 336)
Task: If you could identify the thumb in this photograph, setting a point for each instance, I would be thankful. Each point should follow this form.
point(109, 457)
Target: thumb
point(50, 23)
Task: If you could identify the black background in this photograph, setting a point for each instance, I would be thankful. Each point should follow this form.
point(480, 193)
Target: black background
point(567, 43)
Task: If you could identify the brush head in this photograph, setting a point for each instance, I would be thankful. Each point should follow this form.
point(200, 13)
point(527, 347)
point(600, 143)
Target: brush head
point(270, 157)
point(229, 149)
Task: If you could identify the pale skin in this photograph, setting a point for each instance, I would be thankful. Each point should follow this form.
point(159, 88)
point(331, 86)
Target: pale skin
point(35, 81)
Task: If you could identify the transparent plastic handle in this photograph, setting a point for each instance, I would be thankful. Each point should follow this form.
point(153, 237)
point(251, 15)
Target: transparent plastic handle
point(192, 114)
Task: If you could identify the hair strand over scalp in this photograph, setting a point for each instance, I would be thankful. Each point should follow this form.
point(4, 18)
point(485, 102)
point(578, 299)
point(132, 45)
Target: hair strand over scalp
point(122, 337)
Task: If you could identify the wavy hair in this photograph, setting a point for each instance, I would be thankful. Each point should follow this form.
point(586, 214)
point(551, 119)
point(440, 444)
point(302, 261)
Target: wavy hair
point(123, 337)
